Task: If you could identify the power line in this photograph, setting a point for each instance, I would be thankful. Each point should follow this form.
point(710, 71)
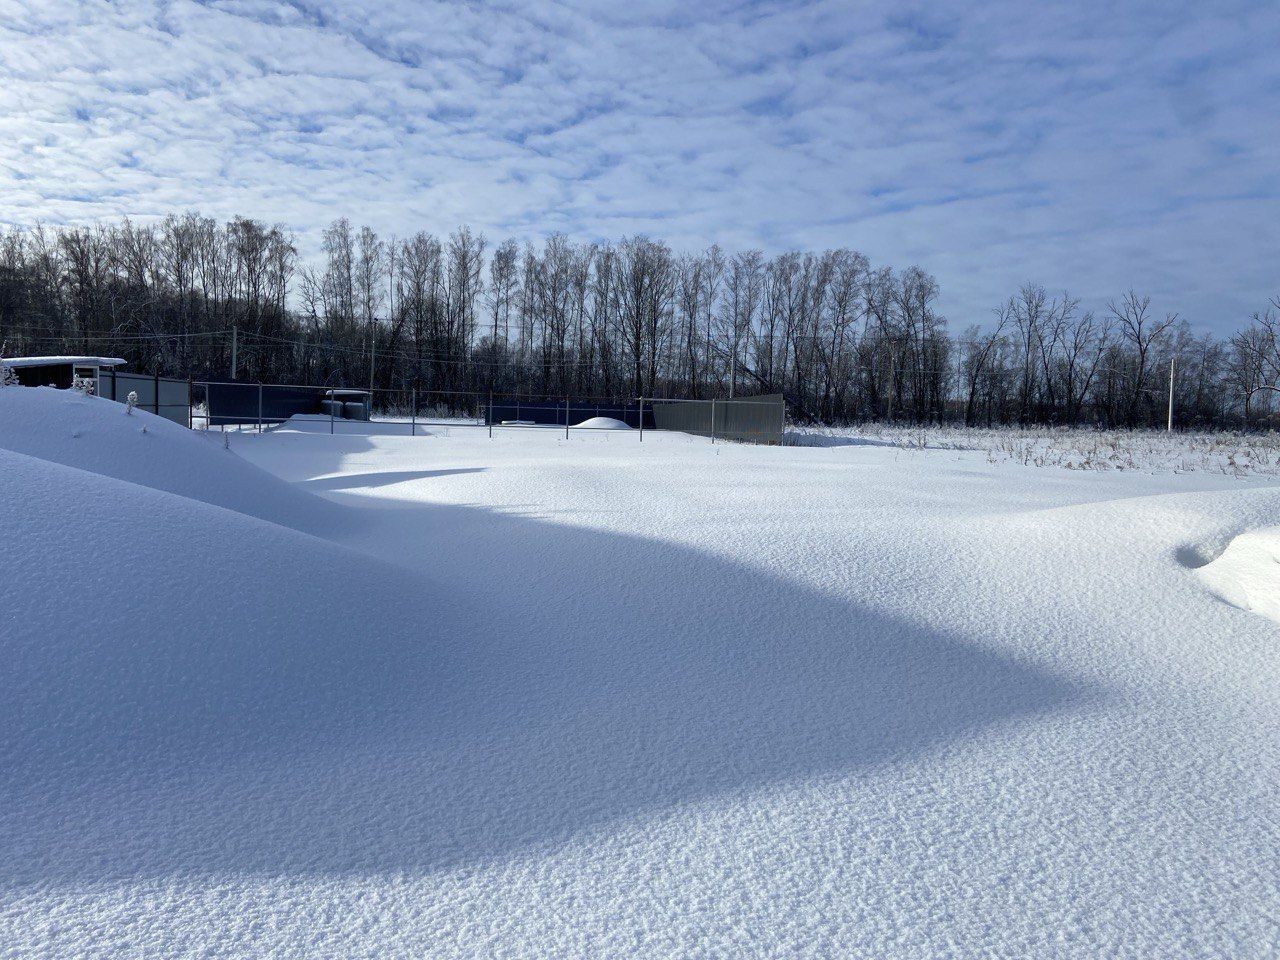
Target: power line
point(52, 334)
point(430, 356)
point(437, 358)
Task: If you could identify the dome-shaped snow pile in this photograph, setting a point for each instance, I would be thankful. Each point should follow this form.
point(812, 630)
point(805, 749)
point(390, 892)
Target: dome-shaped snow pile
point(602, 423)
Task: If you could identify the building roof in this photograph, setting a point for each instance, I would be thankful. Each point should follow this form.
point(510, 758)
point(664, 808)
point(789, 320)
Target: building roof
point(61, 361)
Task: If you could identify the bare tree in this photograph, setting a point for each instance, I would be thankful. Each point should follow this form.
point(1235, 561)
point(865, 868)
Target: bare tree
point(1141, 331)
point(644, 282)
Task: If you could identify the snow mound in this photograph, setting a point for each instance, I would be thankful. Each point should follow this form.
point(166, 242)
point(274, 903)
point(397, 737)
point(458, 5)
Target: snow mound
point(143, 629)
point(603, 423)
point(90, 433)
point(1247, 574)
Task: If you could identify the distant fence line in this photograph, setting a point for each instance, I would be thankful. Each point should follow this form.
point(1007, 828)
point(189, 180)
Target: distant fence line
point(760, 419)
point(505, 410)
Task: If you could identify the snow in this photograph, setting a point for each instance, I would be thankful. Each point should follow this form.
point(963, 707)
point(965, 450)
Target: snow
point(61, 361)
point(532, 696)
point(602, 423)
point(71, 428)
point(1074, 448)
point(1247, 574)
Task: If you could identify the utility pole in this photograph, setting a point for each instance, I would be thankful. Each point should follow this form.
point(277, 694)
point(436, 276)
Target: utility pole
point(1169, 428)
point(891, 382)
point(733, 366)
point(234, 329)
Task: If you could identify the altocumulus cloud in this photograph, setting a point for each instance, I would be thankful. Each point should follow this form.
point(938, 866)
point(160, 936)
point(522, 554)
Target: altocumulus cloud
point(1087, 145)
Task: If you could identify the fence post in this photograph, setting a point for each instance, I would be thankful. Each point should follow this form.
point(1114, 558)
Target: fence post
point(331, 402)
point(490, 417)
point(413, 415)
point(713, 420)
point(190, 416)
point(259, 408)
point(566, 418)
point(642, 419)
point(155, 402)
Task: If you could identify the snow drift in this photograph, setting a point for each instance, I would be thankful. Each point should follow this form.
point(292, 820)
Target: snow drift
point(1247, 573)
point(71, 428)
point(144, 630)
point(659, 700)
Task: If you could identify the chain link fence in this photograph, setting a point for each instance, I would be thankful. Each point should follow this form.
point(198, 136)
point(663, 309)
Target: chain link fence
point(259, 406)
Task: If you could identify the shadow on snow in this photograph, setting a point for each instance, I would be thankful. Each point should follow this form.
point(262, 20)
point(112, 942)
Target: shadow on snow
point(356, 481)
point(536, 681)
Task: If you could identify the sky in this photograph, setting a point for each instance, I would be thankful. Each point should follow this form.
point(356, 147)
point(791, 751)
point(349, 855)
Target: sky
point(1088, 146)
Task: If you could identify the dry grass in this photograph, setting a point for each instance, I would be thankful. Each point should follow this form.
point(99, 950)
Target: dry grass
point(1233, 454)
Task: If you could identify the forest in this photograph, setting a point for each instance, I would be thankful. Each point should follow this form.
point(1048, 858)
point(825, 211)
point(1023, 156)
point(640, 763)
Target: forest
point(846, 340)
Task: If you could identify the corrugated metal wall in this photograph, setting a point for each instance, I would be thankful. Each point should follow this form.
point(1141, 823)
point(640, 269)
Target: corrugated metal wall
point(749, 419)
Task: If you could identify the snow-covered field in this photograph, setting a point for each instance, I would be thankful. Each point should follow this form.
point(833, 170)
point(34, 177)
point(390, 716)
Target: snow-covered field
point(1229, 453)
point(378, 695)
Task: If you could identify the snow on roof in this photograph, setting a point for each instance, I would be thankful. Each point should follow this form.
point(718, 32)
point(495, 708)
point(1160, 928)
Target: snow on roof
point(61, 361)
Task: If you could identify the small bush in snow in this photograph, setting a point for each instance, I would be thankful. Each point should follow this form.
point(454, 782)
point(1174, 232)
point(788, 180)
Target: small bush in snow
point(83, 385)
point(8, 375)
point(130, 402)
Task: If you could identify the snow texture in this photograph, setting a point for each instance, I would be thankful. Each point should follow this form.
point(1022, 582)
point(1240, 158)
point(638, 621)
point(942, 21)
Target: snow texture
point(535, 697)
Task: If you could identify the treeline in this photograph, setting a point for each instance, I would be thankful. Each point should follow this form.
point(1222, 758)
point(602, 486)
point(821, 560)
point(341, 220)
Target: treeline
point(842, 338)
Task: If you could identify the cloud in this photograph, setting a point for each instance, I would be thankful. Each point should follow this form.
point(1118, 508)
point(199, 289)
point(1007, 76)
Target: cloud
point(1089, 146)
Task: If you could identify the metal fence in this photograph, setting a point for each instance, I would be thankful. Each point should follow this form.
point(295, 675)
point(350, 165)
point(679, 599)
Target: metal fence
point(236, 404)
point(163, 396)
point(760, 419)
point(578, 412)
point(239, 405)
